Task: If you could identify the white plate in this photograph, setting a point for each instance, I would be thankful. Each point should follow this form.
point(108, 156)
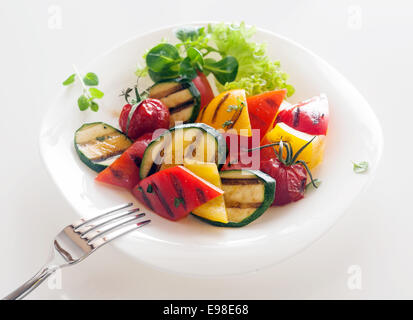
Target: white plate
point(191, 246)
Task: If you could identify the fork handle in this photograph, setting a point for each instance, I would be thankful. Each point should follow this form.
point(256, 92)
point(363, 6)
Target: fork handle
point(31, 284)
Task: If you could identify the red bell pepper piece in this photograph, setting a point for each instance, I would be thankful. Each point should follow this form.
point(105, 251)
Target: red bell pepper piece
point(174, 192)
point(262, 109)
point(309, 116)
point(124, 171)
point(204, 88)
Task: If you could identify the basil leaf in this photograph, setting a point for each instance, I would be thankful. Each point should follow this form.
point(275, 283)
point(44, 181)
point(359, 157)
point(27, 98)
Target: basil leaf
point(224, 70)
point(162, 57)
point(69, 80)
point(360, 167)
point(94, 106)
point(96, 93)
point(187, 70)
point(83, 102)
point(189, 33)
point(195, 56)
point(91, 79)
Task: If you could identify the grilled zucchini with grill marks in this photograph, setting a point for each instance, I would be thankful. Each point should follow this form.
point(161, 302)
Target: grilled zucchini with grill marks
point(247, 195)
point(180, 96)
point(195, 141)
point(99, 144)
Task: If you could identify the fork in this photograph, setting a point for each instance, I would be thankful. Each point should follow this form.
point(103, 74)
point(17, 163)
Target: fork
point(78, 240)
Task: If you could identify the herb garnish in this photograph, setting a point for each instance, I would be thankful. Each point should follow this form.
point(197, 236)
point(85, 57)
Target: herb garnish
point(227, 123)
point(360, 167)
point(185, 59)
point(86, 99)
point(178, 201)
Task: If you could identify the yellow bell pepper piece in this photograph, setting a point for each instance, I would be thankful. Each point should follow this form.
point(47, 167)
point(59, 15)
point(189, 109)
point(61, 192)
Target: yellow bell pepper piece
point(228, 111)
point(312, 154)
point(214, 209)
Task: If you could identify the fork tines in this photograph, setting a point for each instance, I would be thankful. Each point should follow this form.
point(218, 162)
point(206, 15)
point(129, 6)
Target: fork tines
point(107, 227)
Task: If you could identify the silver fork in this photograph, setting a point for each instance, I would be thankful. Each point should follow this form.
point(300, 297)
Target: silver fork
point(78, 240)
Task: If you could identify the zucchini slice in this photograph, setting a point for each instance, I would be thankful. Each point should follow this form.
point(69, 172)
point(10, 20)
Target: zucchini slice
point(99, 144)
point(247, 195)
point(180, 96)
point(195, 141)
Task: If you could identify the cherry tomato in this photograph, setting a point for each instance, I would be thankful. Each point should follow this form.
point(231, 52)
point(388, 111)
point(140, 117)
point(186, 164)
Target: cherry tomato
point(291, 180)
point(149, 115)
point(309, 116)
point(205, 90)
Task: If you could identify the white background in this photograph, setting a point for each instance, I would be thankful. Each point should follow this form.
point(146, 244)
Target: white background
point(368, 41)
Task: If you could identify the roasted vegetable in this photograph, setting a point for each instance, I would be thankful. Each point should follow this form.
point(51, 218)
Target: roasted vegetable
point(214, 209)
point(228, 111)
point(312, 155)
point(99, 144)
point(124, 172)
point(180, 96)
point(175, 192)
point(289, 172)
point(309, 116)
point(247, 194)
point(188, 141)
point(263, 108)
point(143, 116)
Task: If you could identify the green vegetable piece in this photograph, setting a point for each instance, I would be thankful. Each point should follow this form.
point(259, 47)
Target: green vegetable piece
point(83, 102)
point(164, 75)
point(178, 201)
point(257, 72)
point(94, 106)
point(162, 57)
point(360, 167)
point(96, 93)
point(189, 33)
point(69, 80)
point(195, 56)
point(224, 70)
point(227, 123)
point(91, 79)
point(187, 70)
point(149, 189)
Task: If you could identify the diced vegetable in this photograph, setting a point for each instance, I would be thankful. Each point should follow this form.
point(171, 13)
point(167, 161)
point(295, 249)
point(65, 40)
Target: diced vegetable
point(181, 97)
point(124, 172)
point(263, 109)
point(247, 194)
point(99, 144)
point(312, 154)
point(188, 141)
point(175, 192)
point(214, 209)
point(202, 84)
point(310, 116)
point(228, 111)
